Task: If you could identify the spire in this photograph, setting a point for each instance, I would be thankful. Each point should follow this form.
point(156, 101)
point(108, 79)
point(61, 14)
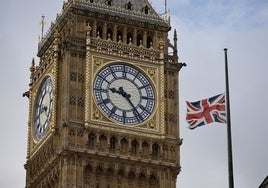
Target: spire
point(165, 7)
point(175, 46)
point(32, 69)
point(166, 14)
point(42, 23)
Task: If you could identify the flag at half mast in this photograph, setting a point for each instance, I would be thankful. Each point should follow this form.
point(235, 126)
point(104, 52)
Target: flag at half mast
point(206, 111)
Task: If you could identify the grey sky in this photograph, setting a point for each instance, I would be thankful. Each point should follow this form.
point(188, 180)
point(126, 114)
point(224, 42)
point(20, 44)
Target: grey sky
point(204, 28)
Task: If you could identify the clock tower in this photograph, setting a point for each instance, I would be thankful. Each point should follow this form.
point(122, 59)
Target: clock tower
point(103, 99)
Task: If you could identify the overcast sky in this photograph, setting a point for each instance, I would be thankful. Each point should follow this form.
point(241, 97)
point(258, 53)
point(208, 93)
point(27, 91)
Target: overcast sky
point(205, 28)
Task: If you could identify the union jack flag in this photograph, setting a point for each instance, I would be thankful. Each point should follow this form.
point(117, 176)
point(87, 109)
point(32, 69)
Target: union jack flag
point(206, 111)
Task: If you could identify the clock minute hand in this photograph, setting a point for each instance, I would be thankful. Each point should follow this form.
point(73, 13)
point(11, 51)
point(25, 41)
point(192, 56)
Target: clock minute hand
point(123, 93)
point(127, 96)
point(131, 103)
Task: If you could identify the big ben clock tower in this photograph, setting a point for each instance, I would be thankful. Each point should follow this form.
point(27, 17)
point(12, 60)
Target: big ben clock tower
point(103, 99)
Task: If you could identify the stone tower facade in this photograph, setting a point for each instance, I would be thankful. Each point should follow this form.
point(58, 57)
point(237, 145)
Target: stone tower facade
point(103, 99)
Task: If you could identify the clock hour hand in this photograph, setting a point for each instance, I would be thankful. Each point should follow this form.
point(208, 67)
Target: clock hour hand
point(113, 90)
point(43, 108)
point(120, 91)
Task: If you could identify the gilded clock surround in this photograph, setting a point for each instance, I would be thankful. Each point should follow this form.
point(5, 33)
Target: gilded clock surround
point(82, 147)
point(34, 96)
point(152, 123)
point(124, 93)
point(43, 108)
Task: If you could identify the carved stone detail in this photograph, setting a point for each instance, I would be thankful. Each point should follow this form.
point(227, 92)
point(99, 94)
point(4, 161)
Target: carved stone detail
point(97, 115)
point(162, 101)
point(151, 124)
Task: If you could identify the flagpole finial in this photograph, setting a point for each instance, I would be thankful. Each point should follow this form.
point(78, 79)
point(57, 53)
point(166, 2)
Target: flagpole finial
point(225, 49)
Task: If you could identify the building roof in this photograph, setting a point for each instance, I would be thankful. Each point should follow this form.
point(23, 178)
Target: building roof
point(264, 183)
point(133, 10)
point(135, 5)
point(140, 10)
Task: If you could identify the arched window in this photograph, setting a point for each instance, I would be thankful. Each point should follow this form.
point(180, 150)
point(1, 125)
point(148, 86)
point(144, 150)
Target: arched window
point(91, 140)
point(99, 31)
point(119, 34)
point(109, 2)
point(139, 37)
point(129, 6)
point(124, 145)
point(91, 1)
point(103, 142)
point(109, 32)
point(153, 180)
point(149, 42)
point(90, 23)
point(113, 143)
point(87, 173)
point(146, 9)
point(145, 149)
point(134, 145)
point(129, 37)
point(155, 150)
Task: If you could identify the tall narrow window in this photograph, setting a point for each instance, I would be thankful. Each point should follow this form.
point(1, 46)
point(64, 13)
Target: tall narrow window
point(149, 42)
point(91, 141)
point(109, 32)
point(139, 37)
point(99, 31)
point(129, 37)
point(103, 142)
point(145, 149)
point(134, 146)
point(124, 145)
point(119, 34)
point(112, 143)
point(155, 150)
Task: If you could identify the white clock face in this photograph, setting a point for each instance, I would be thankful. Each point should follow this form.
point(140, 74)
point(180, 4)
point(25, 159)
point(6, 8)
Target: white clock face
point(43, 108)
point(124, 94)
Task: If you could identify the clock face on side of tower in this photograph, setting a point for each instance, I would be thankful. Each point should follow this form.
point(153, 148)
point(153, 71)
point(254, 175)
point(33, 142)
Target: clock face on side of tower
point(124, 94)
point(43, 108)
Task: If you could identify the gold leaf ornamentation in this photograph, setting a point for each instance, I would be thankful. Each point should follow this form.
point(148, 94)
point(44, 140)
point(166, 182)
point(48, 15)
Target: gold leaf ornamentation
point(97, 115)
